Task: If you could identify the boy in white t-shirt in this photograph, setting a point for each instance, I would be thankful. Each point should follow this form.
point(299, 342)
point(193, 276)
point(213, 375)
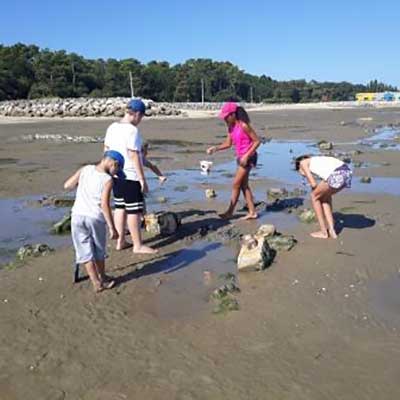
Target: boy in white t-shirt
point(91, 214)
point(124, 137)
point(334, 176)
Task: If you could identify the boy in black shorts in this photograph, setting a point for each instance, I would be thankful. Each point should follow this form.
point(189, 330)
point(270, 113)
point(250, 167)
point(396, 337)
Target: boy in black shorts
point(124, 137)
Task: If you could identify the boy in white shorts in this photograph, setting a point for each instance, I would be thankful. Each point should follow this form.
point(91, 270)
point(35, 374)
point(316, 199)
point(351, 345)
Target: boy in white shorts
point(91, 214)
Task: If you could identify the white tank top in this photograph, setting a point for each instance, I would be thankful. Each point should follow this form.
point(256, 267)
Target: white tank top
point(88, 195)
point(324, 166)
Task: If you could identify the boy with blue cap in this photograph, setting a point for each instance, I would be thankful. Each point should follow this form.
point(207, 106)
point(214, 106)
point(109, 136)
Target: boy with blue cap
point(124, 137)
point(91, 214)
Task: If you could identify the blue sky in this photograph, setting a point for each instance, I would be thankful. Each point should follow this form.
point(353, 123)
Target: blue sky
point(337, 40)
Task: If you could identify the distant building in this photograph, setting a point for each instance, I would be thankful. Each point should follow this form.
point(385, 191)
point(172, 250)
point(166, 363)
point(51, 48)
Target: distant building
point(396, 96)
point(366, 96)
point(383, 96)
point(388, 96)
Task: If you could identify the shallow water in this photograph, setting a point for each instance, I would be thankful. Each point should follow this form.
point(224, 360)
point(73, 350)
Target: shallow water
point(23, 224)
point(189, 278)
point(384, 138)
point(384, 185)
point(31, 225)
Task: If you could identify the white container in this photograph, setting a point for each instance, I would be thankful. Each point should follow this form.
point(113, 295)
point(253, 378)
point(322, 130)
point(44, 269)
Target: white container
point(205, 167)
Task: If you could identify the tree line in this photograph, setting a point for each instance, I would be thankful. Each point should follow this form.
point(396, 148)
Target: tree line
point(28, 72)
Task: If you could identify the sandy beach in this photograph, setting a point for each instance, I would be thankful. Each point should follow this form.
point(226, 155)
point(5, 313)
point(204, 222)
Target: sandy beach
point(321, 323)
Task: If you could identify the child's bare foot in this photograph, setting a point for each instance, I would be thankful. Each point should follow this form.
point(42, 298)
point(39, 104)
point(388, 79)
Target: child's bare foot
point(98, 287)
point(332, 234)
point(123, 246)
point(144, 250)
point(249, 216)
point(225, 215)
point(320, 235)
point(109, 284)
point(106, 278)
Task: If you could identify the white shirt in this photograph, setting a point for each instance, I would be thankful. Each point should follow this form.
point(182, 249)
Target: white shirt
point(88, 195)
point(122, 137)
point(324, 166)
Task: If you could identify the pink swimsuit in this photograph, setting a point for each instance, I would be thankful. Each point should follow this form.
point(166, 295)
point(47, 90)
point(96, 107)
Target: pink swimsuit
point(240, 139)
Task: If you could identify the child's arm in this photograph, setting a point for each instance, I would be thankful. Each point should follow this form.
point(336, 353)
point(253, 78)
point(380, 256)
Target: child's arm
point(223, 146)
point(72, 181)
point(305, 169)
point(256, 143)
point(105, 206)
point(137, 163)
point(155, 169)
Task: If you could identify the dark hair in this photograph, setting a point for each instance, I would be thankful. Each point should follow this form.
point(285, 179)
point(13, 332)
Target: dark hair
point(241, 115)
point(299, 159)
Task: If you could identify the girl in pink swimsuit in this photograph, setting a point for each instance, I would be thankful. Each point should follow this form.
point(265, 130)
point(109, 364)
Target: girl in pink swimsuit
point(246, 142)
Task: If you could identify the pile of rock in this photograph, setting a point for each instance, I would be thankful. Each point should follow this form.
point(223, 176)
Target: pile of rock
point(258, 251)
point(162, 223)
point(57, 138)
point(208, 106)
point(63, 226)
point(36, 250)
point(80, 107)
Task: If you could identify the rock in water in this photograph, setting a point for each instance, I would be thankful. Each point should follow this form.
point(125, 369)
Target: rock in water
point(223, 296)
point(255, 254)
point(210, 193)
point(366, 179)
point(162, 223)
point(282, 242)
point(324, 145)
point(57, 201)
point(308, 216)
point(265, 230)
point(36, 250)
point(277, 193)
point(63, 226)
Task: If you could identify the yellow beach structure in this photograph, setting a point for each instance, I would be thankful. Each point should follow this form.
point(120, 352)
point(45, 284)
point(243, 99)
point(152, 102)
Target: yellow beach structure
point(366, 96)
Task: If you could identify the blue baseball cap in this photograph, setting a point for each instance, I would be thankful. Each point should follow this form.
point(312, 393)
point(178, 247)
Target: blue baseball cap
point(137, 105)
point(119, 158)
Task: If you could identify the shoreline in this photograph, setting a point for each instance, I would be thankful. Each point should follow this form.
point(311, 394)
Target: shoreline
point(188, 113)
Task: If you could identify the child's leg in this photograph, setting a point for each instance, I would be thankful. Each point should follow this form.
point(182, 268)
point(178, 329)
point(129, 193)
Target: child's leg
point(328, 212)
point(106, 282)
point(248, 195)
point(316, 196)
point(93, 275)
point(134, 224)
point(237, 185)
point(120, 225)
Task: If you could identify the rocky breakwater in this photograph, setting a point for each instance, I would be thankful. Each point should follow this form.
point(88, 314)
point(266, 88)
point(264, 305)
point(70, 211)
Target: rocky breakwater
point(81, 107)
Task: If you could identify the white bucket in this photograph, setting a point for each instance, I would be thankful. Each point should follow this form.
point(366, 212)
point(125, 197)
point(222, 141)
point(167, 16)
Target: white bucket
point(205, 166)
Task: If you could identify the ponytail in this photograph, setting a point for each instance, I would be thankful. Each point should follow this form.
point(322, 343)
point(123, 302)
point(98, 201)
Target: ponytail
point(241, 115)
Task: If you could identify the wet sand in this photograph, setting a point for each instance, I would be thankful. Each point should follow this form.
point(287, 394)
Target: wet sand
point(320, 323)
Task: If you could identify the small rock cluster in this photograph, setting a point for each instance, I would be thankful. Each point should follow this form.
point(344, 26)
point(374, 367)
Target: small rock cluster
point(324, 145)
point(36, 250)
point(63, 226)
point(57, 138)
point(224, 296)
point(307, 216)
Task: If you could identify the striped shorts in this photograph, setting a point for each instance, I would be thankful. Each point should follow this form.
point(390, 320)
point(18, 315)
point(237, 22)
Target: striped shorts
point(128, 196)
